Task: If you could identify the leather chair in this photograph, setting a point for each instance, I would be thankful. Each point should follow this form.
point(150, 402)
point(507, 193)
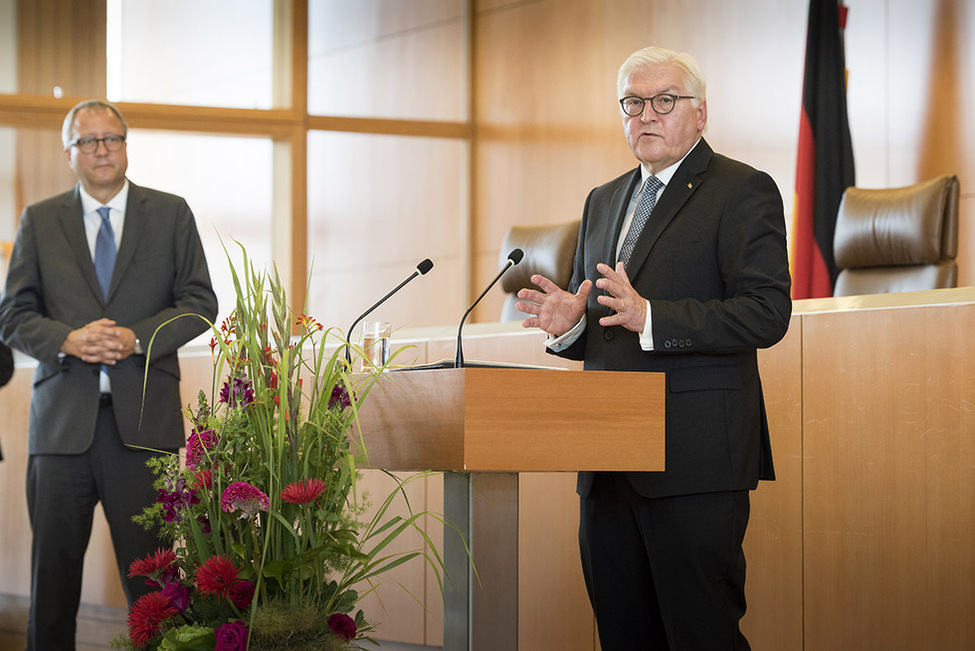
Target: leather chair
point(549, 251)
point(897, 239)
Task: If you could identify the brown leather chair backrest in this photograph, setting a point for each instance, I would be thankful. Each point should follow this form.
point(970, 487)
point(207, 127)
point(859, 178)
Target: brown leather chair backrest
point(549, 251)
point(897, 239)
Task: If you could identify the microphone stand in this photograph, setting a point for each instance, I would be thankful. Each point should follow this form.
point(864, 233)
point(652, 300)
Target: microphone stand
point(513, 258)
point(421, 268)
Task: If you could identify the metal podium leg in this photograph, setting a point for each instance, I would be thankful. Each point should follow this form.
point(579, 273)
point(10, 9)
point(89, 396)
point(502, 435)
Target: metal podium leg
point(481, 609)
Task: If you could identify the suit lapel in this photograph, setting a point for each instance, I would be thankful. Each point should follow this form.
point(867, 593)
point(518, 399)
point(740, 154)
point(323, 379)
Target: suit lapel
point(72, 220)
point(683, 184)
point(131, 234)
point(614, 227)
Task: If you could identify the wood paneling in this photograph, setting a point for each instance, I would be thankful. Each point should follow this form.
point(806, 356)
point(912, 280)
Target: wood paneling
point(889, 485)
point(60, 46)
point(773, 541)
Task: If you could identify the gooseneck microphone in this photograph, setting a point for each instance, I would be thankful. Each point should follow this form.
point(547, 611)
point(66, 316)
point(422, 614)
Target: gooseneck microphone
point(513, 258)
point(421, 269)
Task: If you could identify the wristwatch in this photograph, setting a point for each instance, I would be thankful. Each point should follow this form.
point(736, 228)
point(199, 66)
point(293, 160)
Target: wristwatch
point(138, 347)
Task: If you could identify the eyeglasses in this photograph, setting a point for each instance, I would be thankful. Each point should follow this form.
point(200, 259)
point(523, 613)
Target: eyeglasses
point(89, 145)
point(663, 103)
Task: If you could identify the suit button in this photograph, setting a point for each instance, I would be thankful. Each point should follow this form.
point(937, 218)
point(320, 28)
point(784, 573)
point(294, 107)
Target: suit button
point(608, 334)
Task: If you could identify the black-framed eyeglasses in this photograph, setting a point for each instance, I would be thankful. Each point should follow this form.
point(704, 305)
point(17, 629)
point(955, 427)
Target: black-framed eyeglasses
point(89, 145)
point(663, 103)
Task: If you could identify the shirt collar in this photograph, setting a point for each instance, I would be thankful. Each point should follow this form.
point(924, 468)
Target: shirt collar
point(667, 173)
point(89, 204)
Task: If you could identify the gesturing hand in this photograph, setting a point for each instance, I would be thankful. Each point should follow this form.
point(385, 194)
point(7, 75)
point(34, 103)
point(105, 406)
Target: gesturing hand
point(553, 309)
point(631, 308)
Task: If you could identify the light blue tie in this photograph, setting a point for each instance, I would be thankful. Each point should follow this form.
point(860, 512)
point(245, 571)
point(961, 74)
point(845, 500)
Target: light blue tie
point(105, 252)
point(640, 216)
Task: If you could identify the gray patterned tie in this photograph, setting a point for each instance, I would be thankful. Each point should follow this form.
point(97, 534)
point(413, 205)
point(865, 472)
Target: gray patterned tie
point(105, 252)
point(640, 216)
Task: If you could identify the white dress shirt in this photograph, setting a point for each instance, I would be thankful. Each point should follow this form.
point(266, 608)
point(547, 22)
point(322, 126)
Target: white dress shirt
point(93, 223)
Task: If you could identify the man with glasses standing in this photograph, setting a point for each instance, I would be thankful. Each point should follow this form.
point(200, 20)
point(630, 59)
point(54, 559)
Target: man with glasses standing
point(94, 272)
point(682, 268)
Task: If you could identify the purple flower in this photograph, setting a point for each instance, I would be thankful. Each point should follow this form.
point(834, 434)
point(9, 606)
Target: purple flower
point(339, 398)
point(175, 500)
point(342, 625)
point(243, 497)
point(237, 392)
point(231, 637)
point(178, 594)
point(197, 445)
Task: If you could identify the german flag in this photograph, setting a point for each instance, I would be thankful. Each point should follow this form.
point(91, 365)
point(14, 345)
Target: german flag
point(825, 159)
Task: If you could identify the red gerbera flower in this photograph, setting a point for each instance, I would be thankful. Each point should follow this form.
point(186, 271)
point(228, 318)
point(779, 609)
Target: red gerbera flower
point(160, 564)
point(202, 480)
point(217, 576)
point(148, 612)
point(303, 491)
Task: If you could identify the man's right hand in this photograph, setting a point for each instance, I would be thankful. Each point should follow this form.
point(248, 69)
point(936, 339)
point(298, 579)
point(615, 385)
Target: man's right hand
point(553, 309)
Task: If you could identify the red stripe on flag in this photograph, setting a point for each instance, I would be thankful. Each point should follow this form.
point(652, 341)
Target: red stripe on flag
point(810, 276)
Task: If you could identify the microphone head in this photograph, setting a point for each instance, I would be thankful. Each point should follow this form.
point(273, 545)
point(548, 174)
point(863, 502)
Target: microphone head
point(425, 266)
point(516, 256)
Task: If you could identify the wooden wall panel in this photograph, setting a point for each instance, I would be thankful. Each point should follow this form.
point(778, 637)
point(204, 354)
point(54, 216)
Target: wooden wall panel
point(15, 532)
point(889, 481)
point(773, 541)
point(60, 44)
point(554, 610)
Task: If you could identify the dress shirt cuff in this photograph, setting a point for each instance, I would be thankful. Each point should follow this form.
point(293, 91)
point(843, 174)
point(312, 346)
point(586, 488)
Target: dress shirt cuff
point(646, 337)
point(560, 343)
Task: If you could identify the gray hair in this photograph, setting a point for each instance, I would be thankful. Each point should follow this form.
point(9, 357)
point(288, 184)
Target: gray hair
point(655, 56)
point(89, 105)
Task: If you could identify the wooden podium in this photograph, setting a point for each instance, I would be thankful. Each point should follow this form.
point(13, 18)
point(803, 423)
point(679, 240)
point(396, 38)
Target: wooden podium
point(483, 426)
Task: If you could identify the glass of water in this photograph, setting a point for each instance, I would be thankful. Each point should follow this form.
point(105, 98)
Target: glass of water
point(375, 344)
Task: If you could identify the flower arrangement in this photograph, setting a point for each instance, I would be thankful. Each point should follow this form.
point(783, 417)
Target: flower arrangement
point(269, 547)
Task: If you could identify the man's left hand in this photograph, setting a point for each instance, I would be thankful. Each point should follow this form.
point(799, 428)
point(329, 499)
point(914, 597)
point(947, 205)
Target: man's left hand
point(631, 308)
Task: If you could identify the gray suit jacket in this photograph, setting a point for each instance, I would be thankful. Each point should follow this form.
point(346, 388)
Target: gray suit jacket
point(51, 289)
point(713, 262)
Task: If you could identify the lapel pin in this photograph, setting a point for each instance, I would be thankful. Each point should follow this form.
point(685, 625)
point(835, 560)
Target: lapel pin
point(690, 185)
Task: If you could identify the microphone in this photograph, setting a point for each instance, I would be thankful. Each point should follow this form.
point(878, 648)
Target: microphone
point(421, 269)
point(513, 258)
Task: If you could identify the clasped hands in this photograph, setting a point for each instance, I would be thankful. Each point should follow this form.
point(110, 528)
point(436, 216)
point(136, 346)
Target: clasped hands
point(100, 342)
point(557, 311)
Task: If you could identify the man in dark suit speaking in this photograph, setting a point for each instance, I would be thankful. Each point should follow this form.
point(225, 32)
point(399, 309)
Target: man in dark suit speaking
point(94, 272)
point(682, 268)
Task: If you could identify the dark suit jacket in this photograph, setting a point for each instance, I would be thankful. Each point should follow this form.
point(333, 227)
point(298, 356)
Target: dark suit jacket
point(6, 369)
point(713, 262)
point(6, 364)
point(51, 289)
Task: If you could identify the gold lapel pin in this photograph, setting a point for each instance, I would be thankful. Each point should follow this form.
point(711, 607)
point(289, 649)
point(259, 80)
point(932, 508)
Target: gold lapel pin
point(690, 185)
